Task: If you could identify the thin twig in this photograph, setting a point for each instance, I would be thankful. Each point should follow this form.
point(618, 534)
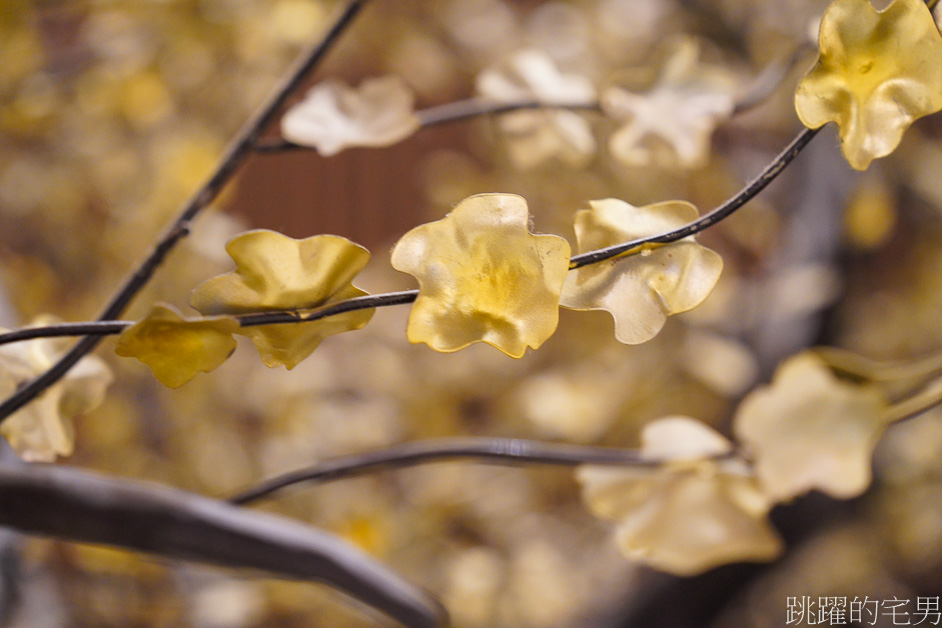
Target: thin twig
point(502, 451)
point(926, 399)
point(752, 188)
point(234, 156)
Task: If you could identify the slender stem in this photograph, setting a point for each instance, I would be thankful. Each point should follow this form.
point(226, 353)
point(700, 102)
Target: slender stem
point(233, 158)
point(752, 188)
point(864, 368)
point(501, 451)
point(927, 398)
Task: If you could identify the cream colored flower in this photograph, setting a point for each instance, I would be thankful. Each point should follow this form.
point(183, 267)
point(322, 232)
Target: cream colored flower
point(641, 290)
point(809, 430)
point(42, 429)
point(334, 116)
point(535, 137)
point(689, 514)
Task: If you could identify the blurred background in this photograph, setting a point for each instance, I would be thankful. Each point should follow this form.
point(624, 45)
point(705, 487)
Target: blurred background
point(113, 113)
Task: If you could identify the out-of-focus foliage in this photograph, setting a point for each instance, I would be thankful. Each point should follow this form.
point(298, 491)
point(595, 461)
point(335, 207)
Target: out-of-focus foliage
point(877, 72)
point(535, 137)
point(177, 348)
point(483, 277)
point(642, 290)
point(275, 272)
point(334, 116)
point(653, 508)
point(809, 430)
point(43, 429)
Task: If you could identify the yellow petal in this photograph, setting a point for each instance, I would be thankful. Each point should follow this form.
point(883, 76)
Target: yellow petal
point(641, 290)
point(275, 272)
point(176, 348)
point(810, 430)
point(690, 514)
point(334, 116)
point(483, 277)
point(877, 72)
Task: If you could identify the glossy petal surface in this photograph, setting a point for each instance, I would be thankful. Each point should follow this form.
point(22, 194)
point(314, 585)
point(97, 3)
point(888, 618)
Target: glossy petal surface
point(877, 72)
point(810, 430)
point(176, 348)
point(42, 429)
point(334, 116)
point(483, 277)
point(535, 137)
point(641, 290)
point(275, 272)
point(689, 514)
point(672, 123)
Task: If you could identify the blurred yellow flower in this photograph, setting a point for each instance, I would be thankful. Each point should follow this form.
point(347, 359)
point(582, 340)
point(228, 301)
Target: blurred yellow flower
point(538, 136)
point(878, 71)
point(42, 429)
point(483, 277)
point(275, 272)
point(810, 430)
point(641, 290)
point(177, 348)
point(334, 116)
point(671, 124)
point(689, 514)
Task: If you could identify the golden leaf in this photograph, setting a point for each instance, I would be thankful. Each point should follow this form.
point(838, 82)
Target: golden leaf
point(334, 116)
point(176, 348)
point(689, 514)
point(483, 277)
point(878, 71)
point(42, 429)
point(538, 136)
point(275, 272)
point(641, 290)
point(810, 430)
point(671, 124)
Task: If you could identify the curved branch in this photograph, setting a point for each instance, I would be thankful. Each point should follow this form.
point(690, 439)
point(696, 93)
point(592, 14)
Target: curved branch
point(236, 153)
point(752, 188)
point(88, 508)
point(503, 451)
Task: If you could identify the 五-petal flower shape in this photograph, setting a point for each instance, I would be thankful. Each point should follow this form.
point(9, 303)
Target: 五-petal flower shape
point(641, 290)
point(671, 124)
point(877, 72)
point(334, 116)
point(42, 429)
point(483, 277)
point(538, 136)
point(275, 272)
point(810, 430)
point(689, 514)
point(177, 348)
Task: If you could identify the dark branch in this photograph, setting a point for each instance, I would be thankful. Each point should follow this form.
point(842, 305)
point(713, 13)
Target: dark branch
point(234, 156)
point(752, 188)
point(501, 451)
point(80, 506)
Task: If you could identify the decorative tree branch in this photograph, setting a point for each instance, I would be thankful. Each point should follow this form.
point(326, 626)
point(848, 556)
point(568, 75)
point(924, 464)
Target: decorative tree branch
point(88, 508)
point(502, 451)
point(233, 158)
point(752, 189)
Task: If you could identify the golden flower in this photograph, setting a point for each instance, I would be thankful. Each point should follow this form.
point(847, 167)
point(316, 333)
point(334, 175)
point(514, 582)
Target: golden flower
point(877, 72)
point(483, 277)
